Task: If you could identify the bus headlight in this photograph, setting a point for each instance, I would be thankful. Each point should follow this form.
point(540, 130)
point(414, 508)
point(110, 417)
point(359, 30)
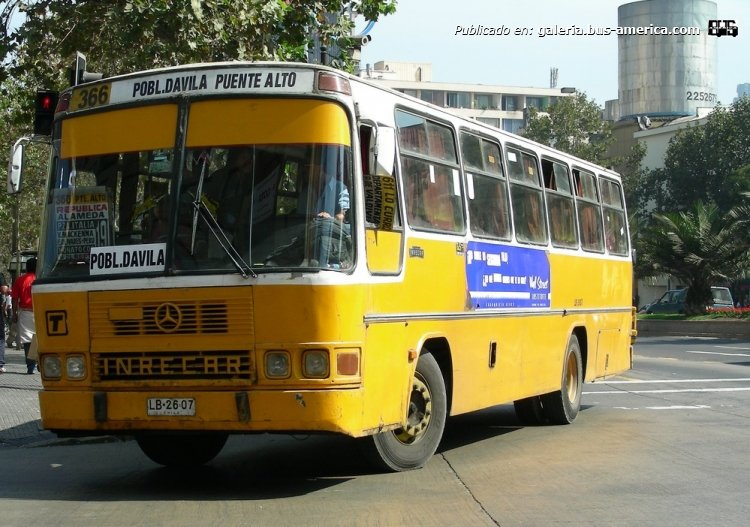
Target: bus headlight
point(51, 367)
point(75, 367)
point(315, 364)
point(277, 365)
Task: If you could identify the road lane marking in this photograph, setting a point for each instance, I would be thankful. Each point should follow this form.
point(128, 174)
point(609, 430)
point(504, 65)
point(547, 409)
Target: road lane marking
point(694, 407)
point(676, 407)
point(659, 381)
point(733, 348)
point(685, 390)
point(719, 353)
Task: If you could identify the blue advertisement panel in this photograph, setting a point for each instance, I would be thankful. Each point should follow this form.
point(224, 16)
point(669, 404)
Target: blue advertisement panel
point(504, 276)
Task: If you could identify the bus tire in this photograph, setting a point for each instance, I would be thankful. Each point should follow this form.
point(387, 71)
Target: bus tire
point(181, 450)
point(562, 407)
point(411, 447)
point(529, 411)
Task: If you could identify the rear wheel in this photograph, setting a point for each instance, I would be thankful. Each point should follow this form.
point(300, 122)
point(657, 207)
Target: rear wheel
point(562, 407)
point(411, 446)
point(529, 411)
point(181, 450)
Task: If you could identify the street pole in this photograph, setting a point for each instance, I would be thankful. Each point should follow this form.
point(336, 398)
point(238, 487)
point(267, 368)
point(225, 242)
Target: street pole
point(14, 242)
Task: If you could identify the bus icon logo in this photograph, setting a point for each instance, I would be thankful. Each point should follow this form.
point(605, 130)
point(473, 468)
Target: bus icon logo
point(722, 27)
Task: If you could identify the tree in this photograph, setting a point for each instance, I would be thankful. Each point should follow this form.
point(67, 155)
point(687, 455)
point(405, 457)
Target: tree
point(710, 163)
point(29, 203)
point(121, 36)
point(574, 125)
point(701, 246)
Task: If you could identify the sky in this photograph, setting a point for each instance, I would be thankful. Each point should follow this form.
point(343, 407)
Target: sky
point(425, 31)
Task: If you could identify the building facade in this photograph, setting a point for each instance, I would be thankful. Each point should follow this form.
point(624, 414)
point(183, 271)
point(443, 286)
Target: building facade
point(499, 106)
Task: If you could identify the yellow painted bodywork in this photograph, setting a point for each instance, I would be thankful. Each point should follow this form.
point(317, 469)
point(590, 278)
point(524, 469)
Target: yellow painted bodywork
point(267, 121)
point(296, 317)
point(143, 128)
point(383, 320)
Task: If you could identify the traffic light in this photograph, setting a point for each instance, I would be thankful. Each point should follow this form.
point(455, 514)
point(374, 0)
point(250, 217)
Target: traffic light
point(44, 111)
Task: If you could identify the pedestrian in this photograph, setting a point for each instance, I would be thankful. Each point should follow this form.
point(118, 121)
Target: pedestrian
point(23, 311)
point(4, 293)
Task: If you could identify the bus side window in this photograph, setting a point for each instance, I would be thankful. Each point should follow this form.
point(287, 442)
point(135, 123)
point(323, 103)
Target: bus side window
point(589, 211)
point(529, 216)
point(488, 195)
point(615, 231)
point(431, 177)
point(430, 200)
point(560, 206)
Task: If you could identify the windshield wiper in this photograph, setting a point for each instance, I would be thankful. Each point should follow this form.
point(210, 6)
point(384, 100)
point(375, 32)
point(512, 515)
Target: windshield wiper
point(200, 209)
point(213, 225)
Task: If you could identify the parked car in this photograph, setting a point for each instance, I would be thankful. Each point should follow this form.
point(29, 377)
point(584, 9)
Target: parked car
point(673, 301)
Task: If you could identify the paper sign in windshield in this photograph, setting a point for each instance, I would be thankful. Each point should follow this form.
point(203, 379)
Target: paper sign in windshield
point(144, 258)
point(81, 218)
point(505, 276)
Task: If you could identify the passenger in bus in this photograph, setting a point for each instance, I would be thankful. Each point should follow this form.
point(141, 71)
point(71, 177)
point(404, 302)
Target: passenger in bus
point(560, 221)
point(331, 231)
point(430, 202)
point(529, 216)
point(488, 208)
point(333, 198)
point(530, 171)
point(322, 238)
point(224, 187)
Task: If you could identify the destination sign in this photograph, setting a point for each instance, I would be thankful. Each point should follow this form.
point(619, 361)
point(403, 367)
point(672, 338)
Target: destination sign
point(141, 258)
point(81, 218)
point(226, 80)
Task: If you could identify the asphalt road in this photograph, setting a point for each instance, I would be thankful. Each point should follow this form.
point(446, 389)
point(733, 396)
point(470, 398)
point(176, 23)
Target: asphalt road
point(665, 444)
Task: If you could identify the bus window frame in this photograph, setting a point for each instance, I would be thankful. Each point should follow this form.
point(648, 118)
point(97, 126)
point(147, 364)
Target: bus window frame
point(620, 209)
point(501, 177)
point(526, 185)
point(582, 200)
point(550, 191)
point(432, 161)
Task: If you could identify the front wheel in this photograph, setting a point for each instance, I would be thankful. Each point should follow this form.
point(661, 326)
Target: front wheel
point(412, 446)
point(181, 450)
point(562, 407)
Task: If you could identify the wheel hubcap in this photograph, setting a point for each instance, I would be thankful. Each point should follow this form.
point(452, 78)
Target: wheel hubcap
point(571, 371)
point(420, 410)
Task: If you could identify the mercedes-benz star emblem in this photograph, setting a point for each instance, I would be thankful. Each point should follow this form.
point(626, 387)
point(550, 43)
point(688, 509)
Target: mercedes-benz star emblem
point(168, 317)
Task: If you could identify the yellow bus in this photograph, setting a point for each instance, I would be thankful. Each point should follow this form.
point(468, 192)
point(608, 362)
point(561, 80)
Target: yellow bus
point(279, 247)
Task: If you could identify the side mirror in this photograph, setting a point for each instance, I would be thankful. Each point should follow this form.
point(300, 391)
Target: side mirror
point(15, 166)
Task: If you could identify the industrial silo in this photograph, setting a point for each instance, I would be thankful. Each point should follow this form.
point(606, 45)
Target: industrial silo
point(666, 74)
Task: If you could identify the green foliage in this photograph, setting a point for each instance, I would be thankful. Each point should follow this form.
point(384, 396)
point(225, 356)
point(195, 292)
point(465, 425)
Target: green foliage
point(702, 247)
point(121, 36)
point(574, 125)
point(710, 163)
point(12, 104)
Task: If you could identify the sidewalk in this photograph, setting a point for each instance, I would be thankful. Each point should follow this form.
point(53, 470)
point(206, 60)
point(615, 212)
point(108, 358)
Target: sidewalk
point(20, 423)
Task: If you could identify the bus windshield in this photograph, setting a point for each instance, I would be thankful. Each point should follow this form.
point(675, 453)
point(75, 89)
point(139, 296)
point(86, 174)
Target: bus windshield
point(124, 199)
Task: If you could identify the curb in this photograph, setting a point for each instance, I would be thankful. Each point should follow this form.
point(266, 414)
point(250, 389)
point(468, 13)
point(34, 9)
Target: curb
point(694, 328)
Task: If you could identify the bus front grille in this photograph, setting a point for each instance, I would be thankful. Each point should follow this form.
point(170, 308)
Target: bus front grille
point(173, 365)
point(195, 318)
point(169, 315)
